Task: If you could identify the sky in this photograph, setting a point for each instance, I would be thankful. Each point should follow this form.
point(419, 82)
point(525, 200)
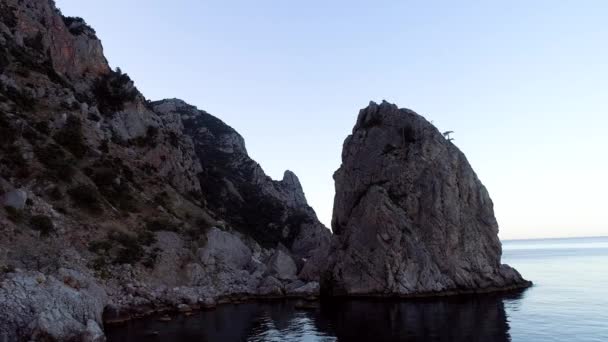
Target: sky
point(524, 85)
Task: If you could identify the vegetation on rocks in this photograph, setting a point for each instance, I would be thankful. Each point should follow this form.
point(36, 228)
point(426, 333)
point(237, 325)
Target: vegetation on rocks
point(125, 248)
point(112, 91)
point(42, 223)
point(58, 165)
point(86, 197)
point(77, 25)
point(14, 214)
point(72, 138)
point(161, 224)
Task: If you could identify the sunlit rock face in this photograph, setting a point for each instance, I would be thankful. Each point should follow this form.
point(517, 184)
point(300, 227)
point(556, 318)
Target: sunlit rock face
point(410, 215)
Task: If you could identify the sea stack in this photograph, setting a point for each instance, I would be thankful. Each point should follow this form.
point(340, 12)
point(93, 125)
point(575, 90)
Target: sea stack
point(410, 216)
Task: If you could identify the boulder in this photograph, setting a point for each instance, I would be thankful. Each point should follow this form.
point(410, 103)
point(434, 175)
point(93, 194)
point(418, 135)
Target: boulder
point(270, 286)
point(282, 266)
point(224, 250)
point(410, 215)
point(15, 198)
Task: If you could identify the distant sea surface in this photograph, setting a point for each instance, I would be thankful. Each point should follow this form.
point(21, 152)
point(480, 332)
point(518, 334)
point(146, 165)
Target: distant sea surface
point(569, 302)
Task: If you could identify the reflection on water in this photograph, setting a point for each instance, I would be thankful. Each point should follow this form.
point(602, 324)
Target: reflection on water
point(469, 318)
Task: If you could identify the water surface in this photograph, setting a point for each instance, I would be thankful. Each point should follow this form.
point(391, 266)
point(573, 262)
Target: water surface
point(569, 302)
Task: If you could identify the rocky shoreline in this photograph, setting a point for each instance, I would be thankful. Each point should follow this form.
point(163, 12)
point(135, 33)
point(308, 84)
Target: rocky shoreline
point(127, 315)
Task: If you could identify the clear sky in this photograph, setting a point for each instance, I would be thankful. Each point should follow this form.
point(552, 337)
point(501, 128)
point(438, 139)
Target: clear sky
point(524, 84)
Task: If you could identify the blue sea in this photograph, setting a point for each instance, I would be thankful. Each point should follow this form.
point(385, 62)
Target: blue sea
point(569, 302)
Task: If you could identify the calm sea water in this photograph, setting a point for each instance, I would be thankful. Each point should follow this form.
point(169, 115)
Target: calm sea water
point(569, 302)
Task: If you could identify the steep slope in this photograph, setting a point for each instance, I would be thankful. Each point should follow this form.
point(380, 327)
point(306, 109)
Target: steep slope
point(410, 215)
point(110, 202)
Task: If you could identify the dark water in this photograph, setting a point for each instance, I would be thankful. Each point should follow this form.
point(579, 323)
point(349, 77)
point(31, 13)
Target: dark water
point(569, 302)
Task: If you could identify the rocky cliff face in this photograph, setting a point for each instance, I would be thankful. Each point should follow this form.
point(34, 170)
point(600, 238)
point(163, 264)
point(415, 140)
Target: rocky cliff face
point(410, 215)
point(112, 204)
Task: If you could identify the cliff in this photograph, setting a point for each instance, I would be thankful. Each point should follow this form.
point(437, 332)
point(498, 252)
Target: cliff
point(410, 217)
point(114, 206)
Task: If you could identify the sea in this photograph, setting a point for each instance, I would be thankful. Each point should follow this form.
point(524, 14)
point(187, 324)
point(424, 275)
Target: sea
point(568, 302)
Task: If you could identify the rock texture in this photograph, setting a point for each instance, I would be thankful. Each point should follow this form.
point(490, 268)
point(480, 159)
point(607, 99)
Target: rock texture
point(65, 307)
point(150, 206)
point(410, 215)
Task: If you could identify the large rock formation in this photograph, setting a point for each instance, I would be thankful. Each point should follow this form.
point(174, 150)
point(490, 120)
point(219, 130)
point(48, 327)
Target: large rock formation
point(145, 205)
point(410, 215)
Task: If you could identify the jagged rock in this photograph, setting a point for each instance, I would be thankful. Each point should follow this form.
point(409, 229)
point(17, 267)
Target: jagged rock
point(74, 51)
point(410, 215)
point(40, 306)
point(270, 211)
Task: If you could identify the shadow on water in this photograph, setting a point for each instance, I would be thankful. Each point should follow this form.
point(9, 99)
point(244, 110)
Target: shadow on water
point(463, 318)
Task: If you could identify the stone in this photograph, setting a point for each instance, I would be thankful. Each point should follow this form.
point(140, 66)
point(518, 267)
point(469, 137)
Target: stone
point(15, 198)
point(410, 215)
point(301, 289)
point(224, 250)
point(281, 265)
point(270, 286)
point(93, 332)
point(49, 309)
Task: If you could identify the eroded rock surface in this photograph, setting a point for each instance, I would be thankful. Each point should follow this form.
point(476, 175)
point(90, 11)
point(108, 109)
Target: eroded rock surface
point(410, 215)
point(57, 308)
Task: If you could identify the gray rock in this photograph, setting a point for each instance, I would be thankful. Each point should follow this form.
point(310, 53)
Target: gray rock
point(93, 332)
point(410, 215)
point(226, 262)
point(282, 266)
point(15, 199)
point(224, 250)
point(49, 307)
point(270, 286)
point(300, 288)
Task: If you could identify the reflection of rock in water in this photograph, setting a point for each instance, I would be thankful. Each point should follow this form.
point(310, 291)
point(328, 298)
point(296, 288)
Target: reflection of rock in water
point(479, 318)
point(472, 318)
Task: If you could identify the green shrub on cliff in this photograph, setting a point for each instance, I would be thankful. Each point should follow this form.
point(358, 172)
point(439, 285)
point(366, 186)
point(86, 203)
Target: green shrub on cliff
point(72, 138)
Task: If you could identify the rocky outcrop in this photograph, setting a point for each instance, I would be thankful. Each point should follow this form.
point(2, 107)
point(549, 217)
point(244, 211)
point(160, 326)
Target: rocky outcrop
point(410, 215)
point(237, 189)
point(156, 203)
